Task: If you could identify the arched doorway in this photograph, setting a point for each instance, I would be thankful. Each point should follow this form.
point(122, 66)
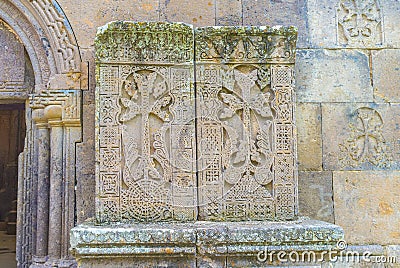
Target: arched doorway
point(16, 81)
point(47, 96)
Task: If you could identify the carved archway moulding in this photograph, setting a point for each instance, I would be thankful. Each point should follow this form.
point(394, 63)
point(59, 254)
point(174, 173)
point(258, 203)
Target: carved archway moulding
point(48, 39)
point(46, 202)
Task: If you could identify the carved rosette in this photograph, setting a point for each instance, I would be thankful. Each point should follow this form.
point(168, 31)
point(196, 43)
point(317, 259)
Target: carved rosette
point(245, 124)
point(145, 123)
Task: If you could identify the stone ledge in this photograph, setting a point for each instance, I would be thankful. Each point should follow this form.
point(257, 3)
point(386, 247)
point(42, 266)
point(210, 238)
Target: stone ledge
point(201, 238)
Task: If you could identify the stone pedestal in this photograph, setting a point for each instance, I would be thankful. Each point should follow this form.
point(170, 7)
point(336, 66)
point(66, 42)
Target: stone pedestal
point(201, 244)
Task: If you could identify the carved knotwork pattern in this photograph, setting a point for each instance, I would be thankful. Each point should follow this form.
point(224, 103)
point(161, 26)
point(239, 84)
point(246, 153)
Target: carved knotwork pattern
point(359, 23)
point(146, 111)
point(61, 32)
point(256, 44)
point(230, 145)
point(245, 125)
point(145, 42)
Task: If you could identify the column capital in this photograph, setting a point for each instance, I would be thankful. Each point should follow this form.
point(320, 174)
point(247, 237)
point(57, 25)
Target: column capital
point(39, 118)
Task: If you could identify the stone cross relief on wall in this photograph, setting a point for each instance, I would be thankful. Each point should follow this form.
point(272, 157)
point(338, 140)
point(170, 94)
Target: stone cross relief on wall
point(195, 124)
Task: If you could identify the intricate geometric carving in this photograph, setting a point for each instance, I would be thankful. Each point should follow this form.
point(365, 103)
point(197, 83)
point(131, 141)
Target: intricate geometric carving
point(109, 111)
point(69, 99)
point(245, 123)
point(359, 23)
point(245, 130)
point(146, 120)
point(110, 137)
point(108, 80)
point(252, 44)
point(109, 184)
point(366, 143)
point(108, 208)
point(61, 31)
point(145, 42)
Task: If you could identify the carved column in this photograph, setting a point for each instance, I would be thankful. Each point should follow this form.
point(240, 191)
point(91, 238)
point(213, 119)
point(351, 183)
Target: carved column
point(43, 139)
point(54, 114)
point(57, 117)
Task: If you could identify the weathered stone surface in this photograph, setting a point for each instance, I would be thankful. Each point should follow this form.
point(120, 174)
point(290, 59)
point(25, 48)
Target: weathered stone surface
point(15, 79)
point(315, 195)
point(205, 240)
point(97, 13)
point(85, 168)
point(386, 75)
point(166, 262)
point(242, 146)
point(359, 24)
point(367, 206)
point(391, 9)
point(270, 12)
point(198, 13)
point(85, 188)
point(246, 167)
point(345, 23)
point(361, 136)
point(229, 12)
point(309, 139)
point(322, 24)
point(318, 78)
point(145, 132)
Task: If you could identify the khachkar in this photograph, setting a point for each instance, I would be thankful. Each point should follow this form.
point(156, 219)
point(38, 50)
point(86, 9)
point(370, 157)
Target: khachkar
point(245, 96)
point(188, 168)
point(145, 125)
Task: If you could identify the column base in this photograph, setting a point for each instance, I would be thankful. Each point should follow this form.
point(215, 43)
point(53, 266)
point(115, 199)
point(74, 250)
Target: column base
point(46, 262)
point(201, 244)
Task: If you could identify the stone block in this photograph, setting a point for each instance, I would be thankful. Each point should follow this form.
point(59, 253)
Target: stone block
point(198, 13)
point(139, 262)
point(12, 59)
point(229, 12)
point(367, 206)
point(386, 75)
point(309, 142)
point(85, 185)
point(321, 19)
point(272, 12)
point(333, 76)
point(315, 195)
point(343, 24)
point(224, 244)
point(391, 10)
point(361, 136)
point(86, 16)
point(88, 75)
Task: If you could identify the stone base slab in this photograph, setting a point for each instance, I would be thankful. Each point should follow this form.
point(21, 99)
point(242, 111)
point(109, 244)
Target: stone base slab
point(190, 244)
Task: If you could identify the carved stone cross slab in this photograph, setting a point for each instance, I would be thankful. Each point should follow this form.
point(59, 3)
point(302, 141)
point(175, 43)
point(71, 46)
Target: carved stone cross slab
point(222, 150)
point(245, 125)
point(145, 125)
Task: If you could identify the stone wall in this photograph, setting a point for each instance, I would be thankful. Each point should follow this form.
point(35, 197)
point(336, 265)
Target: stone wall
point(347, 78)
